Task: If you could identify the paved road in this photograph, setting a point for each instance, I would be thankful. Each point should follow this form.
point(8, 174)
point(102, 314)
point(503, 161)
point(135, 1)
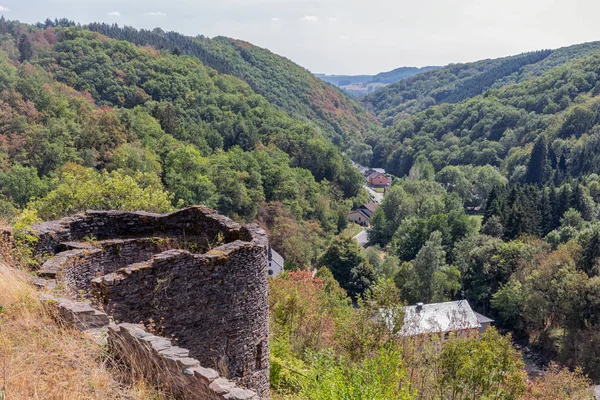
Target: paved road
point(377, 197)
point(362, 238)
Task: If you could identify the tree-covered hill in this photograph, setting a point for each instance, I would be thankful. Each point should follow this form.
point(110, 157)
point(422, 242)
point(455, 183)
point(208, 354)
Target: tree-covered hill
point(283, 83)
point(527, 157)
point(457, 82)
point(359, 85)
point(92, 122)
point(500, 127)
point(401, 73)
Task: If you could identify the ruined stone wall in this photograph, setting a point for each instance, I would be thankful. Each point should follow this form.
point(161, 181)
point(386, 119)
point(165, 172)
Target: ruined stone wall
point(171, 367)
point(185, 293)
point(152, 357)
point(213, 300)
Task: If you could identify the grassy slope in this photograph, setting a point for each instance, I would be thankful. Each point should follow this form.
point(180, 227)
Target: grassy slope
point(39, 360)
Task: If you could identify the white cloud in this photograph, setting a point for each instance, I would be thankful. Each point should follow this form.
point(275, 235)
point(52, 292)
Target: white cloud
point(157, 14)
point(332, 19)
point(4, 9)
point(275, 19)
point(114, 14)
point(309, 18)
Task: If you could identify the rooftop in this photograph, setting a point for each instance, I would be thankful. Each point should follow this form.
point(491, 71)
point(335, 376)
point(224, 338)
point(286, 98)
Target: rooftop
point(371, 207)
point(439, 317)
point(275, 257)
point(482, 318)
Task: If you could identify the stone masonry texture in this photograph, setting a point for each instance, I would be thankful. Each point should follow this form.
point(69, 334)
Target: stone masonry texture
point(194, 276)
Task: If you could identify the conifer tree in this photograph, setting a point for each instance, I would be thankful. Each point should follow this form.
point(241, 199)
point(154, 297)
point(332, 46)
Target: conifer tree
point(547, 220)
point(538, 168)
point(25, 48)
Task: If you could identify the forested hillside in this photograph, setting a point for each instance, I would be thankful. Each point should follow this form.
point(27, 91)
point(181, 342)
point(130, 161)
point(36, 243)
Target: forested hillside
point(359, 85)
point(500, 127)
point(457, 82)
point(526, 157)
point(283, 83)
point(401, 73)
point(93, 122)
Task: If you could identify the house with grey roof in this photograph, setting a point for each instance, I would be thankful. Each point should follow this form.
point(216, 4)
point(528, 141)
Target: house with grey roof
point(276, 263)
point(441, 318)
point(362, 215)
point(484, 321)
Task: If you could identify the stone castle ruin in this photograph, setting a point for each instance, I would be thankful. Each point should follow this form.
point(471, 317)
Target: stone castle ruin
point(192, 275)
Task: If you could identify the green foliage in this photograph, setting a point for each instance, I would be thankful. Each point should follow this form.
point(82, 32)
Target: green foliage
point(146, 122)
point(537, 131)
point(539, 211)
point(25, 48)
point(421, 199)
point(508, 303)
point(435, 280)
point(349, 265)
point(538, 169)
point(457, 82)
point(383, 377)
point(284, 84)
point(287, 371)
point(21, 184)
point(488, 367)
point(186, 175)
point(79, 189)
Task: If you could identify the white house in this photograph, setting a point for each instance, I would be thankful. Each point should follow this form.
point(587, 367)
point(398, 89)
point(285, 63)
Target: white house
point(362, 215)
point(440, 319)
point(275, 263)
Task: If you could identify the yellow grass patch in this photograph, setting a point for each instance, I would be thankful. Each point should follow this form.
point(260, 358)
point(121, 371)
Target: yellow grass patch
point(40, 360)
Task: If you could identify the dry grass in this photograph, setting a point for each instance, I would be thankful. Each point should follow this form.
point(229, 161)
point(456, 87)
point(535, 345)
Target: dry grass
point(39, 360)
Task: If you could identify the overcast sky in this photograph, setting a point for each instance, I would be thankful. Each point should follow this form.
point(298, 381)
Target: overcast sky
point(350, 36)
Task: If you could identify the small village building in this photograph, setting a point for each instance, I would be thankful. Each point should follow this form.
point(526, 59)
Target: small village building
point(484, 321)
point(276, 263)
point(362, 215)
point(370, 171)
point(378, 180)
point(360, 167)
point(441, 319)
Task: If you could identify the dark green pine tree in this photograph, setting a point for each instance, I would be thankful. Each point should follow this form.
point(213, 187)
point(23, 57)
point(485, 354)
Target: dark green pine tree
point(564, 201)
point(515, 225)
point(3, 26)
point(25, 48)
point(578, 202)
point(561, 170)
point(167, 117)
point(553, 158)
point(493, 206)
point(546, 213)
point(531, 205)
point(590, 253)
point(538, 169)
point(553, 197)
